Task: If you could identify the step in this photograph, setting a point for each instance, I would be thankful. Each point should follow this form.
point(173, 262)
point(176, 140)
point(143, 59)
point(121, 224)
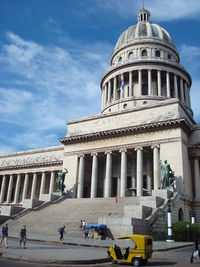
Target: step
point(151, 201)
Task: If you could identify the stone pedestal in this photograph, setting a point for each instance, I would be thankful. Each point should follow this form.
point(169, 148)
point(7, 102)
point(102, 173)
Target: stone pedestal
point(10, 210)
point(50, 197)
point(163, 193)
point(30, 203)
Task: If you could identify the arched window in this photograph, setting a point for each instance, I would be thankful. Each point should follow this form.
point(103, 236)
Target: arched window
point(120, 59)
point(144, 53)
point(157, 53)
point(130, 55)
point(180, 215)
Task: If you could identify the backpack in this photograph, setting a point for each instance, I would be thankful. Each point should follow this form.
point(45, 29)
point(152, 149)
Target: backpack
point(59, 230)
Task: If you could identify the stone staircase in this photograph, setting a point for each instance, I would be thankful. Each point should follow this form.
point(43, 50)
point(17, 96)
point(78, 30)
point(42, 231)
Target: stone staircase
point(128, 215)
point(69, 212)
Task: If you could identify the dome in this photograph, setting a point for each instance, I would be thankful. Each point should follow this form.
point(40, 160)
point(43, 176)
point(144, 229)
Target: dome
point(143, 30)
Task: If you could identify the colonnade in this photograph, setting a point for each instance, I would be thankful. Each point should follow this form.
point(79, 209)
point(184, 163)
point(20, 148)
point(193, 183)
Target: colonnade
point(168, 84)
point(17, 187)
point(137, 171)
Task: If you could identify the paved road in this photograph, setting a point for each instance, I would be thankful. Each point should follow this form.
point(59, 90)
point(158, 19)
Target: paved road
point(172, 258)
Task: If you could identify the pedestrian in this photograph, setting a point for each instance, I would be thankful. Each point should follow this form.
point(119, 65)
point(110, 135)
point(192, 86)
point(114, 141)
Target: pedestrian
point(4, 235)
point(195, 250)
point(84, 224)
point(61, 232)
point(81, 225)
point(23, 237)
point(86, 232)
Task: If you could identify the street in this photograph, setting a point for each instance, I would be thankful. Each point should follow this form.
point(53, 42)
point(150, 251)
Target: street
point(178, 257)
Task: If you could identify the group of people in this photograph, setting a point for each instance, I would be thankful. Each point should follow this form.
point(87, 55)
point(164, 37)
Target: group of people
point(22, 236)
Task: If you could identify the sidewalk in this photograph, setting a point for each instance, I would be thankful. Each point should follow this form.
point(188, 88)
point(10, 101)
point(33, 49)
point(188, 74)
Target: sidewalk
point(48, 249)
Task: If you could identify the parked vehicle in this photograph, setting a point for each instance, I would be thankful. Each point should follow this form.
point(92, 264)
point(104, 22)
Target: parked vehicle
point(135, 249)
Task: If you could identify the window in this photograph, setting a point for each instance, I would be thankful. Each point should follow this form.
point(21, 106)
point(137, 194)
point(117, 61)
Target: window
point(180, 215)
point(125, 105)
point(120, 59)
point(169, 56)
point(130, 55)
point(144, 53)
point(157, 53)
point(145, 89)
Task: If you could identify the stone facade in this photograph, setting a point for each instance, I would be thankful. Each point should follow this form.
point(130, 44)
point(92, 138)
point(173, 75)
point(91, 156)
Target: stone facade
point(146, 117)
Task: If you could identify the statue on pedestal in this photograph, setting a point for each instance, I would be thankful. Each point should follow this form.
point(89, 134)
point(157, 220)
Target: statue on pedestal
point(60, 180)
point(167, 176)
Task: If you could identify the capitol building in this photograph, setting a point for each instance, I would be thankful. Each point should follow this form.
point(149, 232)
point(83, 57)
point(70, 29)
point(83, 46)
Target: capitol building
point(146, 117)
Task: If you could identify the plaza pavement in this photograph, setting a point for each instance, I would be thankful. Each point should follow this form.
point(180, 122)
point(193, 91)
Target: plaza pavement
point(48, 249)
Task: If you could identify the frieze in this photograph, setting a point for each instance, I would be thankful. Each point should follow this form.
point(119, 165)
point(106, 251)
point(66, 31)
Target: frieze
point(31, 160)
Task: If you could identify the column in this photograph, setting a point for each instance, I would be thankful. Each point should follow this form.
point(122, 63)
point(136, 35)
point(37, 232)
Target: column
point(168, 84)
point(140, 81)
point(3, 187)
point(123, 172)
point(34, 184)
point(175, 86)
point(52, 182)
point(10, 186)
point(149, 174)
point(159, 82)
point(81, 176)
point(186, 94)
point(102, 100)
point(149, 83)
point(118, 178)
point(130, 83)
point(25, 190)
point(197, 179)
point(42, 186)
point(156, 167)
point(139, 171)
point(115, 89)
point(109, 91)
point(94, 177)
point(108, 180)
point(17, 190)
point(133, 175)
point(182, 92)
point(105, 94)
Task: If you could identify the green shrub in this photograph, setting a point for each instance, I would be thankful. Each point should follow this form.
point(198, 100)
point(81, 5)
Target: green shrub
point(180, 231)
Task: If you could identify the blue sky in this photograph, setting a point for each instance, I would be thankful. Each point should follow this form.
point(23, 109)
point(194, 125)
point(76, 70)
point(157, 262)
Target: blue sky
point(54, 53)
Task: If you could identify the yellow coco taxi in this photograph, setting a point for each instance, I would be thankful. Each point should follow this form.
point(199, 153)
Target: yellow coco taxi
point(135, 249)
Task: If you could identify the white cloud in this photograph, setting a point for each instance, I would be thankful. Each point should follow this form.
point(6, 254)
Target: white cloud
point(46, 84)
point(164, 10)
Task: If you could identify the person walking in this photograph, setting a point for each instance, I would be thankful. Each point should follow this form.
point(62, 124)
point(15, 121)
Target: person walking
point(195, 250)
point(83, 225)
point(4, 235)
point(61, 232)
point(23, 237)
point(86, 232)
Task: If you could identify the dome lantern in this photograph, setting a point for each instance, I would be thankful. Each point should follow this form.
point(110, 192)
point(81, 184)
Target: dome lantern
point(143, 15)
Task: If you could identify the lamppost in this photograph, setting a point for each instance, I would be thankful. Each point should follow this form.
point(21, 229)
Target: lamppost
point(169, 222)
point(188, 232)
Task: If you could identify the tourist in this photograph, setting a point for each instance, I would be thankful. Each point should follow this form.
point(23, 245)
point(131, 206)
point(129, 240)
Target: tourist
point(195, 250)
point(22, 237)
point(84, 224)
point(86, 232)
point(4, 235)
point(81, 225)
point(61, 232)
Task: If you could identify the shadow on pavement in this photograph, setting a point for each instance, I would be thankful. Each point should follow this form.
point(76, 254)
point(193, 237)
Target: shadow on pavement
point(159, 263)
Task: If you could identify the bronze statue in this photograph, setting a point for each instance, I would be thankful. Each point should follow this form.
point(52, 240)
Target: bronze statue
point(167, 175)
point(60, 180)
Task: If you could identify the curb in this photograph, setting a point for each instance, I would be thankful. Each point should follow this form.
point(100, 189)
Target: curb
point(51, 261)
point(64, 243)
point(166, 249)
